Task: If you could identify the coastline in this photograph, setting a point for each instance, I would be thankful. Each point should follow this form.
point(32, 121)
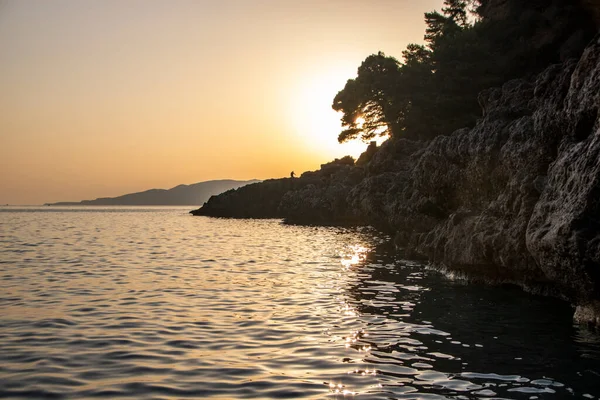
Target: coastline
point(512, 199)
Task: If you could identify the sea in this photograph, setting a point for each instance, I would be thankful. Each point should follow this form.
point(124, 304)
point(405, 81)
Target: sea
point(153, 303)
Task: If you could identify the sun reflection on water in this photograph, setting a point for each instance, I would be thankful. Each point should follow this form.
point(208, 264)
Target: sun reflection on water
point(356, 254)
point(201, 308)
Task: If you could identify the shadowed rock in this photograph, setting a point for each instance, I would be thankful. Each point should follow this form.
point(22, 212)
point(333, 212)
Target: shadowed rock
point(515, 199)
point(315, 197)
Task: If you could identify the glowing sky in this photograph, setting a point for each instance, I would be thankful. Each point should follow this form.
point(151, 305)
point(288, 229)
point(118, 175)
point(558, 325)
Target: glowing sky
point(106, 97)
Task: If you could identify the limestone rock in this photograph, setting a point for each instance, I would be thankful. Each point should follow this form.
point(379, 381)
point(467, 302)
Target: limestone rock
point(564, 230)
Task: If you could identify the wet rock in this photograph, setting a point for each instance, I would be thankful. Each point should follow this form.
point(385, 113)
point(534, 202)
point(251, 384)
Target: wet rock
point(588, 313)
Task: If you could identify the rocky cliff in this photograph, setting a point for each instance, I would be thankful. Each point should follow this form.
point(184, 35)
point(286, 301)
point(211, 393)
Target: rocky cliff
point(515, 199)
point(314, 197)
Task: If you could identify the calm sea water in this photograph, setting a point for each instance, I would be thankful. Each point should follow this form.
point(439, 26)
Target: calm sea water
point(155, 303)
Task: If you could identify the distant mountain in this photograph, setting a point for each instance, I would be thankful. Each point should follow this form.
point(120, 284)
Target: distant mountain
point(182, 195)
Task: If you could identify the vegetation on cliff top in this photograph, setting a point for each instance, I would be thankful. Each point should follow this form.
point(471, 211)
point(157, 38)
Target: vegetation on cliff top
point(471, 45)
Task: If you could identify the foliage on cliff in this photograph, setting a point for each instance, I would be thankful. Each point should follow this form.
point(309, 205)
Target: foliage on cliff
point(471, 45)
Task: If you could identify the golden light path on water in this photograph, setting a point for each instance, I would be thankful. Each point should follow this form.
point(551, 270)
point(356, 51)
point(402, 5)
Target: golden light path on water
point(154, 303)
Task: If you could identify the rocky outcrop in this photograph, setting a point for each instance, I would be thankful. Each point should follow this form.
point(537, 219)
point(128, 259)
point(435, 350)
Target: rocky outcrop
point(515, 199)
point(324, 200)
point(314, 197)
point(563, 234)
point(259, 200)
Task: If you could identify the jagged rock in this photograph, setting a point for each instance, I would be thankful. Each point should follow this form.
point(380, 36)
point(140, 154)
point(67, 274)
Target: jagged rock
point(367, 155)
point(464, 202)
point(515, 199)
point(324, 202)
point(314, 197)
point(259, 200)
point(564, 230)
point(522, 189)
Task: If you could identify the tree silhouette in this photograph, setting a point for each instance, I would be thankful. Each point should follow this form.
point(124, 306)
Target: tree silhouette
point(368, 102)
point(470, 45)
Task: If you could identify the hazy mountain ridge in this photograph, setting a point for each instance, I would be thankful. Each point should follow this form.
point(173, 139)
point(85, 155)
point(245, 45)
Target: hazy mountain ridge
point(181, 195)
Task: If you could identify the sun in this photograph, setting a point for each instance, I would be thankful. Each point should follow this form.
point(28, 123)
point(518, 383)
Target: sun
point(313, 119)
point(360, 121)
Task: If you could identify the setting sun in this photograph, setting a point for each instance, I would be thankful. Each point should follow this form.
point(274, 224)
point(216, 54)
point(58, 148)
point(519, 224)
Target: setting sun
point(313, 118)
point(178, 218)
point(179, 93)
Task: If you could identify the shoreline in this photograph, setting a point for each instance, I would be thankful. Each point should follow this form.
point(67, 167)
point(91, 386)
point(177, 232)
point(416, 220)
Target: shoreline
point(514, 196)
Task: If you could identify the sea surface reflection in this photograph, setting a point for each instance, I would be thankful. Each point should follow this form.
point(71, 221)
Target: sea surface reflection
point(153, 303)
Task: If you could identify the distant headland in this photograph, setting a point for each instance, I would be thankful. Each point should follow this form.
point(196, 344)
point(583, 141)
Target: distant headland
point(181, 195)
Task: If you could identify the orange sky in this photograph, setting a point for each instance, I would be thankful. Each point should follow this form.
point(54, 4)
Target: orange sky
point(106, 97)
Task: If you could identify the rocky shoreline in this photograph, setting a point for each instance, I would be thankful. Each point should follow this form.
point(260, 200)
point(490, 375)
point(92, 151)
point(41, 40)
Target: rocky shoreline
point(514, 199)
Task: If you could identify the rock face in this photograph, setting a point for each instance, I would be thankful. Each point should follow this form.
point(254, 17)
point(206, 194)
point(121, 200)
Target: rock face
point(515, 199)
point(259, 200)
point(564, 230)
point(314, 197)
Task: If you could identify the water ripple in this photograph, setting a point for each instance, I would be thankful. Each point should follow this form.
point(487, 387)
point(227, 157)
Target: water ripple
point(152, 303)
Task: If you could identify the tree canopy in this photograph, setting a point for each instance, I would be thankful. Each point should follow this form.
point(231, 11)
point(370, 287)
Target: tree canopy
point(368, 101)
point(469, 46)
